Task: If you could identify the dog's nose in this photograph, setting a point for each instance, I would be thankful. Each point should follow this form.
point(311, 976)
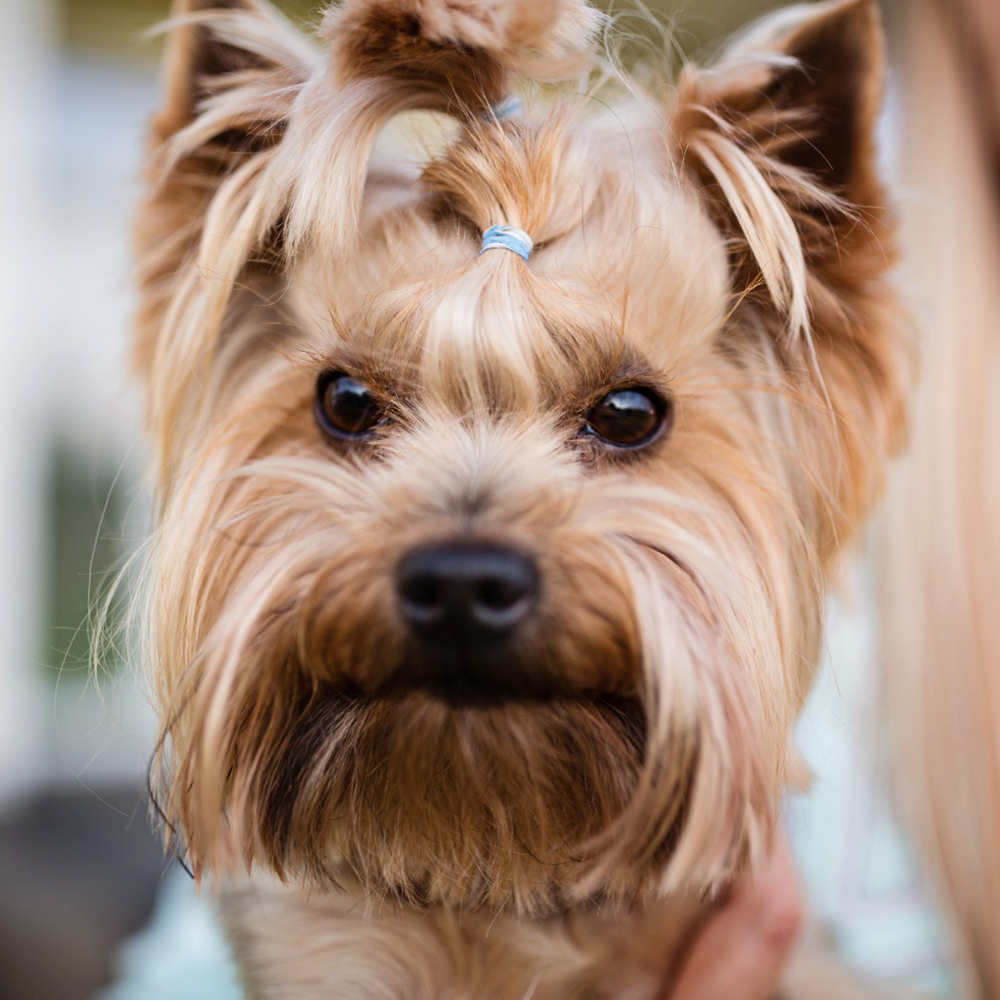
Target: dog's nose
point(466, 595)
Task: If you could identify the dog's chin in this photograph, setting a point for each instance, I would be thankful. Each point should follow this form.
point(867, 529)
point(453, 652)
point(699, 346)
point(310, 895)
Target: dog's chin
point(464, 794)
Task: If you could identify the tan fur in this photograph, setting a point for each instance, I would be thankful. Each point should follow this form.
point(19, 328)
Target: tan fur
point(337, 945)
point(730, 247)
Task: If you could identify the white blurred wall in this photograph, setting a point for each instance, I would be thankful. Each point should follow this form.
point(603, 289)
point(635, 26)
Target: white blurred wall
point(25, 83)
point(70, 135)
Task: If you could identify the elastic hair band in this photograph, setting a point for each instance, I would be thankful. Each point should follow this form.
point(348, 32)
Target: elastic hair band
point(507, 238)
point(503, 110)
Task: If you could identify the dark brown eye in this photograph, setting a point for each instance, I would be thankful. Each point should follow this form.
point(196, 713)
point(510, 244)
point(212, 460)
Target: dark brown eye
point(345, 407)
point(628, 418)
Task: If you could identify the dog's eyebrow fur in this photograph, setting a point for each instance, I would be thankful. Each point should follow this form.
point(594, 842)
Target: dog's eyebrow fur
point(611, 362)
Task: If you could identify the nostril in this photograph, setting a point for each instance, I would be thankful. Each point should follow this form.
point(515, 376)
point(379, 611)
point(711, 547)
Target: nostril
point(421, 597)
point(422, 590)
point(504, 595)
point(498, 593)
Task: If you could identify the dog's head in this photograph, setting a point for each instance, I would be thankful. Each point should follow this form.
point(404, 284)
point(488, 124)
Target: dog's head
point(491, 580)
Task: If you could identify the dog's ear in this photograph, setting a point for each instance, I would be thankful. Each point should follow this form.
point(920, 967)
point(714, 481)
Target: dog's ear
point(233, 70)
point(216, 46)
point(786, 119)
point(779, 138)
point(804, 84)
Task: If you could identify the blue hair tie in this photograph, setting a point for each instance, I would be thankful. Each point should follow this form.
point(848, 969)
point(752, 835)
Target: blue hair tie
point(507, 238)
point(503, 110)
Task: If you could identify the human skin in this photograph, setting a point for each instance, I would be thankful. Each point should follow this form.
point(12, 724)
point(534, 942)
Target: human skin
point(755, 931)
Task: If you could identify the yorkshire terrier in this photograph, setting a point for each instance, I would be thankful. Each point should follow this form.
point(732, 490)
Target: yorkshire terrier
point(500, 474)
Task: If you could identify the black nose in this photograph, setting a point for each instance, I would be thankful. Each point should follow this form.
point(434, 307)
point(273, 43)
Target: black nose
point(466, 595)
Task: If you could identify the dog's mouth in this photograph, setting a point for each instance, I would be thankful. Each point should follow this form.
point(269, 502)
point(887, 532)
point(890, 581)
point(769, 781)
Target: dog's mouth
point(475, 678)
point(457, 691)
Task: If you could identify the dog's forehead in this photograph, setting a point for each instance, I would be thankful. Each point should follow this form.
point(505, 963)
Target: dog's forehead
point(627, 268)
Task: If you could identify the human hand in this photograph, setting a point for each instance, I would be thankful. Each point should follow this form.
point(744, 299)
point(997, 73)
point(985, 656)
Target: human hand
point(741, 952)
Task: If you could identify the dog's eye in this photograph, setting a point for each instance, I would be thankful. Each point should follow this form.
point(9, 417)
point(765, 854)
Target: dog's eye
point(628, 418)
point(345, 407)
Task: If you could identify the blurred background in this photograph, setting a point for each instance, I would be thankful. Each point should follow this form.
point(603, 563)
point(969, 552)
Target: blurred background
point(79, 867)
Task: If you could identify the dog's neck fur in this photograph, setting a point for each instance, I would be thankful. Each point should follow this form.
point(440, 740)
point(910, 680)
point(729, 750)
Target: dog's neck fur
point(293, 945)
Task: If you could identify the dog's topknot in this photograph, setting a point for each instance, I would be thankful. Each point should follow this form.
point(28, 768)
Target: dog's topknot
point(462, 49)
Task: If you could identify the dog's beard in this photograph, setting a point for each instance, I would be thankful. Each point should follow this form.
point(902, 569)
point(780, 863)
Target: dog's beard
point(434, 804)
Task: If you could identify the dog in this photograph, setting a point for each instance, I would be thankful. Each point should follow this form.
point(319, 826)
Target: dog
point(500, 471)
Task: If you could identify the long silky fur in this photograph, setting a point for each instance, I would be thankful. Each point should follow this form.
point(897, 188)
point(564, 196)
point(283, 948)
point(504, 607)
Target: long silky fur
point(680, 613)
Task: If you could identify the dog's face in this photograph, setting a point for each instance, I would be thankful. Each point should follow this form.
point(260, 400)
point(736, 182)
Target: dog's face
point(485, 580)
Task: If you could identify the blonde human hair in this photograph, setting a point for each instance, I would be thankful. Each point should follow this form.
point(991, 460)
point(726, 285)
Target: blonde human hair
point(941, 579)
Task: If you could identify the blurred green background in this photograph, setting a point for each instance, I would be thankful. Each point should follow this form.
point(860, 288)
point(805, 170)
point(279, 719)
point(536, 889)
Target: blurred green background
point(112, 26)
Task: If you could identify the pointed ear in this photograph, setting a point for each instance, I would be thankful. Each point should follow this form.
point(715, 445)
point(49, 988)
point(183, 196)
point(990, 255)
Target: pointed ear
point(194, 57)
point(837, 77)
point(781, 135)
point(804, 85)
point(215, 46)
